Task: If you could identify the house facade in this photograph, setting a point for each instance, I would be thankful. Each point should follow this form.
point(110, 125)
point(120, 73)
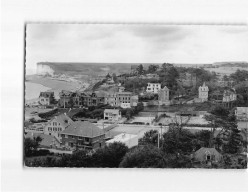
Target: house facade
point(57, 124)
point(153, 87)
point(164, 96)
point(229, 95)
point(65, 99)
point(82, 135)
point(46, 98)
point(203, 92)
point(112, 114)
point(241, 113)
point(122, 99)
point(78, 99)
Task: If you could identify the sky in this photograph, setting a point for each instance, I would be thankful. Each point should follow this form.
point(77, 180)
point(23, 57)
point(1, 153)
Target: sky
point(132, 43)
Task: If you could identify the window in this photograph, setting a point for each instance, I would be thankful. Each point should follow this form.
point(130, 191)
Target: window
point(87, 139)
point(66, 136)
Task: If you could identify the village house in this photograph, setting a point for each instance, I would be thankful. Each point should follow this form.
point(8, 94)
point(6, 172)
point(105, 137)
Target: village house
point(79, 99)
point(229, 95)
point(57, 124)
point(241, 113)
point(122, 99)
point(164, 96)
point(203, 92)
point(65, 99)
point(112, 114)
point(207, 155)
point(82, 135)
point(35, 128)
point(46, 98)
point(153, 87)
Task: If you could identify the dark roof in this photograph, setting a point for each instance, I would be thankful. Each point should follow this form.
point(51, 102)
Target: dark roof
point(47, 94)
point(84, 129)
point(63, 119)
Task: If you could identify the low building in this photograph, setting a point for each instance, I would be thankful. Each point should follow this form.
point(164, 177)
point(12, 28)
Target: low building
point(46, 98)
point(153, 87)
point(82, 135)
point(66, 99)
point(112, 114)
point(164, 96)
point(57, 124)
point(241, 113)
point(207, 155)
point(129, 140)
point(122, 99)
point(35, 128)
point(229, 95)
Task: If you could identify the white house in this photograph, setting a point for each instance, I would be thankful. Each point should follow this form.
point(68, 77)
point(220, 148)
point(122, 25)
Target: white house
point(229, 95)
point(203, 92)
point(242, 113)
point(153, 87)
point(129, 140)
point(57, 124)
point(112, 114)
point(46, 98)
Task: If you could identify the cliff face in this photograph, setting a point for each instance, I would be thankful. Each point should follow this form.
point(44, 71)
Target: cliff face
point(44, 70)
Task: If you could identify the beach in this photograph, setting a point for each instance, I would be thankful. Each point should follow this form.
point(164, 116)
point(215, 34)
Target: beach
point(32, 90)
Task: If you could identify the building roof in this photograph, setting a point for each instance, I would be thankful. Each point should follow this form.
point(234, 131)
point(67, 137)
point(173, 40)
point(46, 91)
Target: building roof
point(47, 94)
point(63, 119)
point(114, 111)
point(203, 151)
point(165, 88)
point(123, 137)
point(65, 93)
point(84, 129)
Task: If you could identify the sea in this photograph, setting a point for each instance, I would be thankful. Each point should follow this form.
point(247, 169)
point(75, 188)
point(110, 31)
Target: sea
point(32, 90)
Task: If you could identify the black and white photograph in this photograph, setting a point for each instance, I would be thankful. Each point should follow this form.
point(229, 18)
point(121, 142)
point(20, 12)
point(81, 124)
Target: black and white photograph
point(135, 96)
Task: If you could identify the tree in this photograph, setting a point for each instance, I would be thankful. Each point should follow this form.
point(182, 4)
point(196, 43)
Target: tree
point(80, 158)
point(109, 156)
point(152, 68)
point(239, 76)
point(178, 141)
point(149, 138)
point(140, 69)
point(147, 156)
point(114, 77)
point(31, 145)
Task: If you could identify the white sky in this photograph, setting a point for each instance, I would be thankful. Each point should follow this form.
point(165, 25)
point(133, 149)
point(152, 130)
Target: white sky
point(134, 43)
